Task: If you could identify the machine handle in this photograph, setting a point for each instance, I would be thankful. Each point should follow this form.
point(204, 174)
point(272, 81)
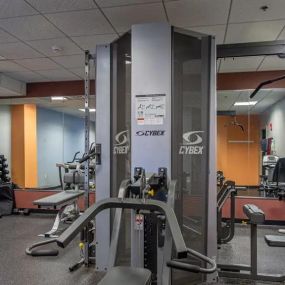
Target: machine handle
point(177, 264)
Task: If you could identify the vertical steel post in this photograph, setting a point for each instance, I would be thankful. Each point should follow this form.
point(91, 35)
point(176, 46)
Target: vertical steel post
point(253, 249)
point(87, 145)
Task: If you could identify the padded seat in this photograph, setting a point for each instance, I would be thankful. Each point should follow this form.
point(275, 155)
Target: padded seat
point(127, 276)
point(275, 240)
point(254, 214)
point(58, 199)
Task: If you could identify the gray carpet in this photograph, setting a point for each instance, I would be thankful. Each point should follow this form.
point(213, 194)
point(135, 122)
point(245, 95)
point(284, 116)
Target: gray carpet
point(16, 268)
point(270, 259)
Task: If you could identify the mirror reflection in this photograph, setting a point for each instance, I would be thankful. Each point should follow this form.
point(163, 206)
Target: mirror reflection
point(47, 131)
point(251, 139)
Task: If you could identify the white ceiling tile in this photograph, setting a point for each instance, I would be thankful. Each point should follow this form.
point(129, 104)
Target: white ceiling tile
point(272, 98)
point(123, 17)
point(6, 38)
point(81, 72)
point(27, 76)
point(70, 61)
point(17, 50)
point(9, 66)
point(254, 32)
point(187, 13)
point(244, 95)
point(15, 8)
point(90, 42)
point(58, 75)
point(218, 31)
point(249, 10)
point(30, 28)
point(112, 3)
point(239, 64)
point(38, 63)
point(282, 35)
point(273, 63)
point(66, 45)
point(50, 6)
point(225, 99)
point(80, 23)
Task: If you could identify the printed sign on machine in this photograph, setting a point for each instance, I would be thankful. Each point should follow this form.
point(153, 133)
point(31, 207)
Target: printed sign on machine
point(150, 109)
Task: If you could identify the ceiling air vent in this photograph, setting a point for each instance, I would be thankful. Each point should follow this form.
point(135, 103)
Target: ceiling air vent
point(11, 87)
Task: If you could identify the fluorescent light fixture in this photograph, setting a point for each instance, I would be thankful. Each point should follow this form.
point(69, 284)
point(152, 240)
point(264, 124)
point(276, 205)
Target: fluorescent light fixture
point(58, 98)
point(90, 110)
point(248, 103)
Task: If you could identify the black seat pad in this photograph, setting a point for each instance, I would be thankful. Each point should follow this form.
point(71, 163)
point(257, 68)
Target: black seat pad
point(127, 276)
point(275, 240)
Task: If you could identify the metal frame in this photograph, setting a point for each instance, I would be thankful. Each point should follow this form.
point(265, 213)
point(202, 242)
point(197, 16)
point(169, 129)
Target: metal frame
point(212, 141)
point(103, 136)
point(233, 271)
point(251, 49)
point(117, 226)
point(228, 191)
point(129, 203)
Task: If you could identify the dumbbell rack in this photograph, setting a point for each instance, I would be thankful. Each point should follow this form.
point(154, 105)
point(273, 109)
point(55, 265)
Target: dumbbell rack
point(4, 172)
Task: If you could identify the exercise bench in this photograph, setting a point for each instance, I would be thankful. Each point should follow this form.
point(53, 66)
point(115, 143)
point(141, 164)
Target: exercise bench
point(62, 202)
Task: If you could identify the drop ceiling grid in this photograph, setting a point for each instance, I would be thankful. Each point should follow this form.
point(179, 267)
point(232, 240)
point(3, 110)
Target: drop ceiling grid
point(75, 21)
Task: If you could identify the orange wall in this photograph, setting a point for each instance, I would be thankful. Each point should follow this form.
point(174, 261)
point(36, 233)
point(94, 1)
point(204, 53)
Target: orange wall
point(17, 145)
point(24, 145)
point(240, 162)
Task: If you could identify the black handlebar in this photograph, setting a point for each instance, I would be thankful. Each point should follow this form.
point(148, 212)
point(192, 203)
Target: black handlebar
point(182, 265)
point(265, 83)
point(86, 157)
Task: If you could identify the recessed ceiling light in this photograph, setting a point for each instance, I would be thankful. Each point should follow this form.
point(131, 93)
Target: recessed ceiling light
point(249, 103)
point(58, 98)
point(90, 110)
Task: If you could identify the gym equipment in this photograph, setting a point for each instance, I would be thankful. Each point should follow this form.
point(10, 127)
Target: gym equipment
point(74, 170)
point(155, 89)
point(4, 178)
point(268, 165)
point(235, 123)
point(7, 199)
point(147, 205)
point(220, 178)
point(256, 217)
point(66, 202)
point(275, 240)
point(226, 230)
point(275, 185)
point(265, 83)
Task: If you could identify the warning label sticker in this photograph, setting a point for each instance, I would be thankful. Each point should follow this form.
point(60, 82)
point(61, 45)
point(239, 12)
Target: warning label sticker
point(150, 109)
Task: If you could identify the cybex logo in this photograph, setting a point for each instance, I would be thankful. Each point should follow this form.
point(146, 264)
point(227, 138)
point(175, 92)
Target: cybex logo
point(190, 143)
point(122, 145)
point(192, 138)
point(122, 137)
point(153, 133)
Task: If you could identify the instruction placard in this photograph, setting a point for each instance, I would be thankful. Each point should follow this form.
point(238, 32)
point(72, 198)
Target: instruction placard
point(150, 109)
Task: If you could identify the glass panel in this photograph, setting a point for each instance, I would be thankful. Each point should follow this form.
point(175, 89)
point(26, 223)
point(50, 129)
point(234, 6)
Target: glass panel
point(190, 131)
point(120, 132)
